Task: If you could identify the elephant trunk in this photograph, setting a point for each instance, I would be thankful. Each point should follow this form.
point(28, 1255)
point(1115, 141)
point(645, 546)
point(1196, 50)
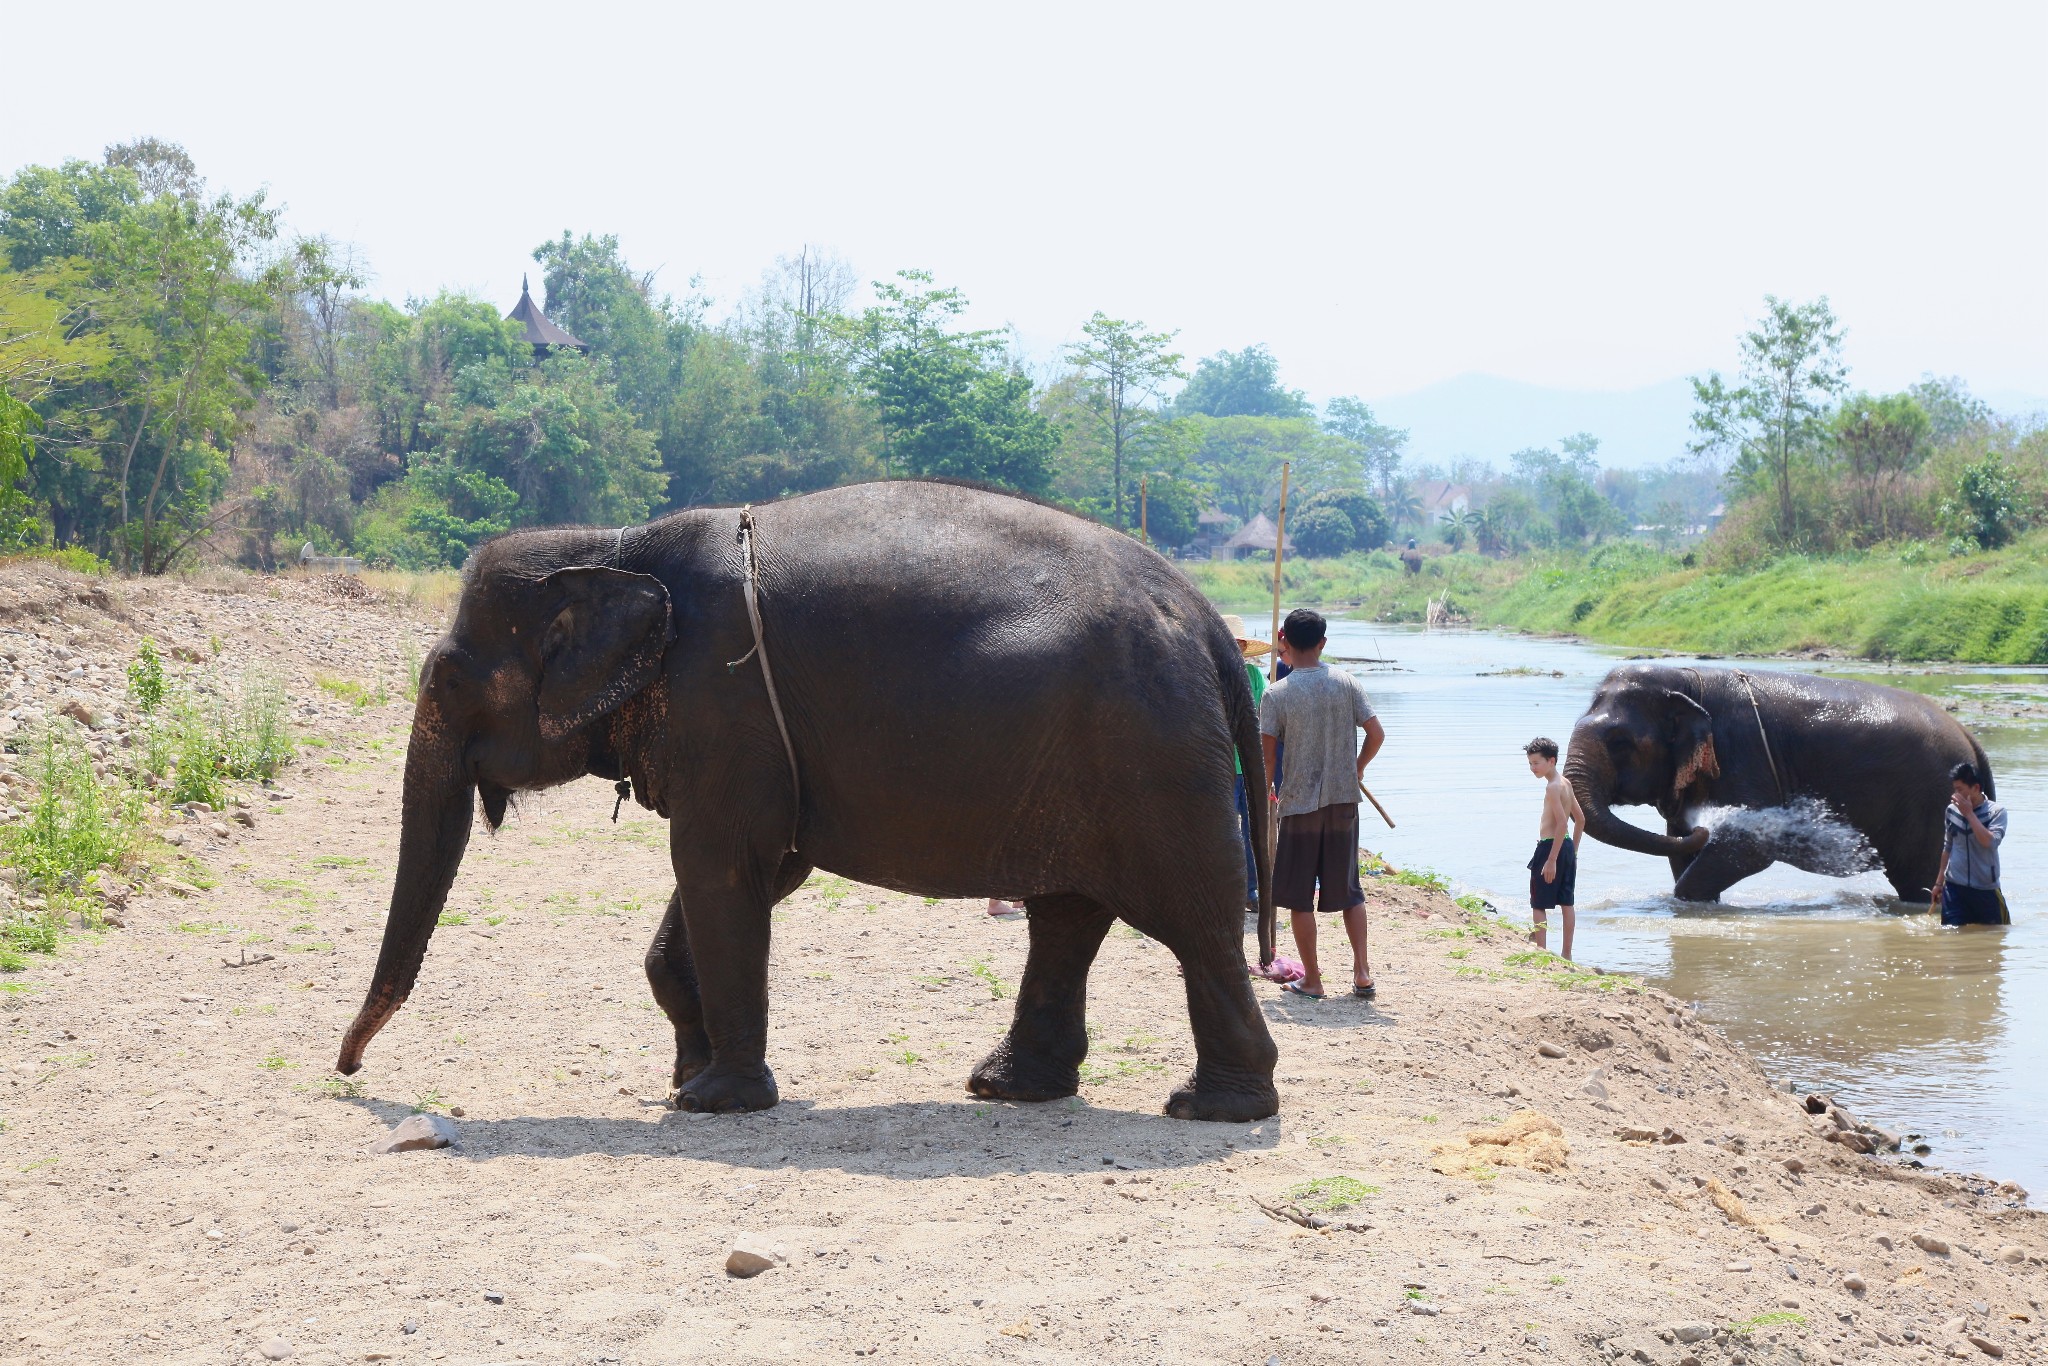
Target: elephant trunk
point(440, 803)
point(1591, 774)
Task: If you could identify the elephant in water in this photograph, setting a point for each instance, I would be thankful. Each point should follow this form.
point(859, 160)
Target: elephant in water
point(933, 688)
point(1750, 769)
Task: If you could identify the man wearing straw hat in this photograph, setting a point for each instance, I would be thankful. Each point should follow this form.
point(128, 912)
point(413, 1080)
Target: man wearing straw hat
point(1252, 649)
point(1317, 713)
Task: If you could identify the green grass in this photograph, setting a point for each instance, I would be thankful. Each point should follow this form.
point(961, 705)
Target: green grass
point(356, 694)
point(1905, 602)
point(1331, 1193)
point(997, 987)
point(1775, 1319)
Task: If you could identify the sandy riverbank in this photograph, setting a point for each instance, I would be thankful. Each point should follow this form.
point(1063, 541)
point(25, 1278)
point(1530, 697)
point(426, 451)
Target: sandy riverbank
point(182, 1182)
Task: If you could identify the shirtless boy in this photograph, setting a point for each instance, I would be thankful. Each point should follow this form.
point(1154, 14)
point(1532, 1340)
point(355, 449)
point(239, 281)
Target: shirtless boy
point(1554, 867)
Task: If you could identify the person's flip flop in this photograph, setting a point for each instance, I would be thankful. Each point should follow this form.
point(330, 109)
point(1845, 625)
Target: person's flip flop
point(1365, 991)
point(1294, 989)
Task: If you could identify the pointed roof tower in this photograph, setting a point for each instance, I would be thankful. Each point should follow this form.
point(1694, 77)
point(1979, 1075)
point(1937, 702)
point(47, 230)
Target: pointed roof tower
point(539, 331)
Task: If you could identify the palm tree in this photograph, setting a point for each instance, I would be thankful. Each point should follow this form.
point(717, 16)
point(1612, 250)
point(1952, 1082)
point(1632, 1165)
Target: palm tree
point(1404, 509)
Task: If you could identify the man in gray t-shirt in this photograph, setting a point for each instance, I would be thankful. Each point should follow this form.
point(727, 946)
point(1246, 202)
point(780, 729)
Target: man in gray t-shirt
point(1317, 712)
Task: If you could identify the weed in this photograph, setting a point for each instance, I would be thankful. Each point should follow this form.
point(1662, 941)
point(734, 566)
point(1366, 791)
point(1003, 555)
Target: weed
point(1430, 1119)
point(277, 1062)
point(1414, 1295)
point(997, 988)
point(1328, 1140)
point(1117, 1069)
point(344, 1088)
point(409, 667)
point(494, 920)
point(453, 918)
point(337, 861)
point(819, 976)
point(1331, 1193)
point(146, 677)
point(307, 928)
point(358, 695)
point(1557, 1280)
point(1423, 877)
point(907, 1058)
point(1458, 953)
point(76, 828)
point(428, 1100)
point(255, 939)
point(310, 946)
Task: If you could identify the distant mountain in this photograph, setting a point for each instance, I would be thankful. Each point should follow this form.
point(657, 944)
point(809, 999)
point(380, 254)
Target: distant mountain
point(1490, 417)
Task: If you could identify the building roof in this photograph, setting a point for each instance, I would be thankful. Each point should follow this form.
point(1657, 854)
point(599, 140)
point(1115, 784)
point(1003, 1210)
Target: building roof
point(1436, 494)
point(539, 331)
point(1213, 517)
point(1257, 534)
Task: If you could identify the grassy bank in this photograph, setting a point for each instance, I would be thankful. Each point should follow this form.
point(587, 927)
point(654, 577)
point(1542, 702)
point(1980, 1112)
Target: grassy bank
point(1908, 604)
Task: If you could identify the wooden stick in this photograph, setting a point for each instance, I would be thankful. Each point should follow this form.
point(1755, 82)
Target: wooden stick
point(1377, 807)
point(1279, 553)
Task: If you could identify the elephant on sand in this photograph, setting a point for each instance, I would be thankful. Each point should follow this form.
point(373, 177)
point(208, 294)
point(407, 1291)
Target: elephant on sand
point(1824, 753)
point(982, 697)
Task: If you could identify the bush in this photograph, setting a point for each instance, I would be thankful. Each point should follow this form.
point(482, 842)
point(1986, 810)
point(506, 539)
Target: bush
point(146, 678)
point(1987, 505)
point(1323, 532)
point(77, 829)
point(244, 736)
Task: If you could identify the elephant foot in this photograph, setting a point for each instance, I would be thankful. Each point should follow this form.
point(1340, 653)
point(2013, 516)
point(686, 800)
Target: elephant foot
point(687, 1066)
point(1002, 1075)
point(713, 1091)
point(1255, 1099)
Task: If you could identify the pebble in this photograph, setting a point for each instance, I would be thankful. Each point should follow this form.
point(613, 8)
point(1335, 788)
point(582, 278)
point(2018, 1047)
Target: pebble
point(2010, 1255)
point(752, 1254)
point(1793, 1165)
point(494, 1297)
point(1595, 1085)
point(416, 1132)
point(1422, 1307)
point(1986, 1345)
point(1691, 1332)
point(1737, 1267)
point(277, 1349)
point(1927, 1242)
point(1854, 1284)
point(1547, 1049)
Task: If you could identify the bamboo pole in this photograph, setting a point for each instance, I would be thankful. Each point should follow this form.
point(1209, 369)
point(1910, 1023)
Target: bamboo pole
point(1279, 554)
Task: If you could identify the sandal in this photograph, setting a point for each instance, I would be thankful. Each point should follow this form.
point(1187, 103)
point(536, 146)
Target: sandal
point(1368, 990)
point(1294, 989)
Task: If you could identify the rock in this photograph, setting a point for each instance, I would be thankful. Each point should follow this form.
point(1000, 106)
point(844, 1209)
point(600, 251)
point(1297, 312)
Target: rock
point(277, 1349)
point(218, 830)
point(242, 817)
point(409, 1327)
point(1928, 1243)
point(1854, 1284)
point(80, 712)
point(595, 1259)
point(1793, 1165)
point(1595, 1086)
point(1737, 1267)
point(1854, 1141)
point(752, 1254)
point(494, 1297)
point(416, 1132)
point(1985, 1345)
point(2010, 1255)
point(171, 884)
point(1548, 1049)
point(1424, 1308)
point(1692, 1332)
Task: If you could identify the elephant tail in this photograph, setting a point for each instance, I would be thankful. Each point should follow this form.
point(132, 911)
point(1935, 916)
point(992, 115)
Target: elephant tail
point(1983, 763)
point(1251, 756)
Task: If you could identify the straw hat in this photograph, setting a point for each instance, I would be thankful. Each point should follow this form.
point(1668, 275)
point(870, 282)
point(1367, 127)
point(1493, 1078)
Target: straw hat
point(1251, 645)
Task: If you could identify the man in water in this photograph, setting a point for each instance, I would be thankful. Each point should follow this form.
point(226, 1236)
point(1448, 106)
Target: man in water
point(1973, 826)
point(1554, 867)
point(1317, 713)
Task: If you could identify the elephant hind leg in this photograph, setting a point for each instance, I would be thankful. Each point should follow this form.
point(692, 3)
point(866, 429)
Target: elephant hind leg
point(672, 975)
point(1040, 1058)
point(1234, 1052)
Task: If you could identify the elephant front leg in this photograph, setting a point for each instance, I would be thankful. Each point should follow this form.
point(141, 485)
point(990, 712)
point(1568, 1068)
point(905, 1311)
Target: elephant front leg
point(727, 930)
point(1719, 866)
point(1040, 1058)
point(673, 976)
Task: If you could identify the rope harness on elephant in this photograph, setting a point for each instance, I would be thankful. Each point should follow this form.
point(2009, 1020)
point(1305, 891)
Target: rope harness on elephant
point(624, 786)
point(750, 588)
point(1762, 734)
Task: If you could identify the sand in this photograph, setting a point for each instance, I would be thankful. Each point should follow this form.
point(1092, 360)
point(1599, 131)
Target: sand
point(184, 1179)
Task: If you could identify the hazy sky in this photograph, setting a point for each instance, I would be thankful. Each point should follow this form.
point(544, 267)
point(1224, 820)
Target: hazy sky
point(1387, 195)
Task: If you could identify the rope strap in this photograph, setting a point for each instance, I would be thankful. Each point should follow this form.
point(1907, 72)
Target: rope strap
point(1762, 734)
point(749, 586)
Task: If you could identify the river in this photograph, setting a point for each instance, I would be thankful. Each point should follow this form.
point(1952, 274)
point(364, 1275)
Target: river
point(1914, 1027)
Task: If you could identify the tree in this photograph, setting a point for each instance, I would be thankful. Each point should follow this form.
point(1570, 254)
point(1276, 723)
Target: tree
point(1774, 422)
point(1988, 504)
point(1172, 509)
point(949, 402)
point(1240, 384)
point(1379, 446)
point(1880, 440)
point(1369, 528)
point(1322, 531)
point(1952, 410)
point(1239, 457)
point(1123, 365)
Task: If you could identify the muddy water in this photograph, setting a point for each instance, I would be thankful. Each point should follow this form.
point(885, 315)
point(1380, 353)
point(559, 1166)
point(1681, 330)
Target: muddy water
point(1921, 1029)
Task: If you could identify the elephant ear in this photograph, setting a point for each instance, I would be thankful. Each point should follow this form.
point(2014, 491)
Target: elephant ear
point(1693, 737)
point(604, 642)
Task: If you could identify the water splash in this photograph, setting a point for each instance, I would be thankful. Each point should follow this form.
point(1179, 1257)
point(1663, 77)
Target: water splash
point(1803, 832)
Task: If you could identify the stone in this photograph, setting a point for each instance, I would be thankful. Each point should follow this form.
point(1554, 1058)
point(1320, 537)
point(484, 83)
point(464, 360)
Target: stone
point(595, 1259)
point(1928, 1243)
point(1985, 1345)
point(79, 711)
point(217, 829)
point(2010, 1255)
point(1854, 1284)
point(1692, 1332)
point(277, 1349)
point(1793, 1165)
point(494, 1297)
point(1424, 1308)
point(752, 1254)
point(1737, 1267)
point(415, 1133)
point(242, 817)
point(1546, 1048)
point(409, 1327)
